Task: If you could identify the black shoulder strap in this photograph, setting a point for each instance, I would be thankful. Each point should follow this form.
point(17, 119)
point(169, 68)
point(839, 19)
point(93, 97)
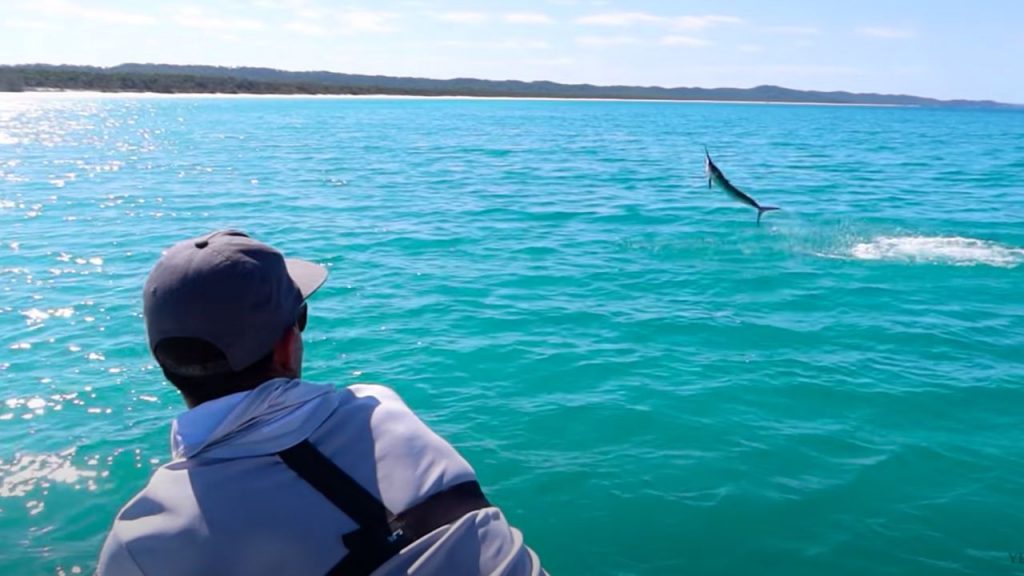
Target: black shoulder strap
point(341, 489)
point(372, 543)
point(381, 534)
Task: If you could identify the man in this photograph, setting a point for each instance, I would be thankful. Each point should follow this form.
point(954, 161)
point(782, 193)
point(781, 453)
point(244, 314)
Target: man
point(274, 475)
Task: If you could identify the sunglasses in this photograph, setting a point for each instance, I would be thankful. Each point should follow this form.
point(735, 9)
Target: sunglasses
point(302, 318)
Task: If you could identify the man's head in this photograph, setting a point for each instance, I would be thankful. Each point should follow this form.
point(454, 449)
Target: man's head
point(224, 312)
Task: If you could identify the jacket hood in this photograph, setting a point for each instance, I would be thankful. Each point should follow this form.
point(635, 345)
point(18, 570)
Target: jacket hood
point(274, 416)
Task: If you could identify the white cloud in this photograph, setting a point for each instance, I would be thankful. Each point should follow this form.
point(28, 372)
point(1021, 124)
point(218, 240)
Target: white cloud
point(227, 37)
point(463, 17)
point(624, 19)
point(527, 18)
point(619, 19)
point(281, 4)
point(194, 17)
point(29, 24)
point(606, 40)
point(295, 8)
point(499, 44)
point(305, 28)
point(552, 62)
point(808, 70)
point(702, 22)
point(796, 30)
point(65, 9)
point(886, 32)
point(683, 41)
point(750, 48)
point(368, 21)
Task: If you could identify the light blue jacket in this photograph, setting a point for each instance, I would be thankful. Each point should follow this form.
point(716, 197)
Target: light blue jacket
point(227, 505)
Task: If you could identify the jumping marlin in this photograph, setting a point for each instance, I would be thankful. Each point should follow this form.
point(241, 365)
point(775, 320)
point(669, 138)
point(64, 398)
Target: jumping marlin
point(715, 175)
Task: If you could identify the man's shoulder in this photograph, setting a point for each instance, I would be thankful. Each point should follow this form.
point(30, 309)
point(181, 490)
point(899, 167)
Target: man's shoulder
point(115, 558)
point(163, 508)
point(380, 406)
point(379, 391)
point(360, 397)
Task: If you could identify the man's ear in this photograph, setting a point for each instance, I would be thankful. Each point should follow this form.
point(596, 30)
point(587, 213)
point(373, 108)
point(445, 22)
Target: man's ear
point(287, 358)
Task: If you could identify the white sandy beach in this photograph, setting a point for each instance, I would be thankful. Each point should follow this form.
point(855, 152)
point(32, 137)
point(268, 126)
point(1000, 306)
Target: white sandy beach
point(80, 94)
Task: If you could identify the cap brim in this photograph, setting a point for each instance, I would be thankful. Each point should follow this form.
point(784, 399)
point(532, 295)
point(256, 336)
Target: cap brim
point(307, 276)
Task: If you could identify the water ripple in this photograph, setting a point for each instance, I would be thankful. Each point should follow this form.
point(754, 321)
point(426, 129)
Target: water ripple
point(553, 287)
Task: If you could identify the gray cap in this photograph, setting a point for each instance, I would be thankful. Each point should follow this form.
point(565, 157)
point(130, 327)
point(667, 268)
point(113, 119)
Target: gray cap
point(226, 288)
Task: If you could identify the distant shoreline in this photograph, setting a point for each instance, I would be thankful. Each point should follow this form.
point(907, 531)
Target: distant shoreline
point(195, 80)
point(218, 95)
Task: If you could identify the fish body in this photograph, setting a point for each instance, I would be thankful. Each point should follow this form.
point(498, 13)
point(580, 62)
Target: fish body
point(715, 176)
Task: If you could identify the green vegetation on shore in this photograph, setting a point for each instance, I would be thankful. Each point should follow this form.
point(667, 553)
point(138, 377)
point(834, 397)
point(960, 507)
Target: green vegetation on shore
point(171, 79)
point(68, 78)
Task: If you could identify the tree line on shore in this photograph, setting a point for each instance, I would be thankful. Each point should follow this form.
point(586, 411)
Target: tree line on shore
point(28, 79)
point(170, 79)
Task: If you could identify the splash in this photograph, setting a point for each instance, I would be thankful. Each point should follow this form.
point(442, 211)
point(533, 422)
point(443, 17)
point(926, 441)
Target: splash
point(938, 249)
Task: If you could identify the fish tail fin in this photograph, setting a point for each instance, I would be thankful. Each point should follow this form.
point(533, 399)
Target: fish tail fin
point(762, 209)
point(707, 165)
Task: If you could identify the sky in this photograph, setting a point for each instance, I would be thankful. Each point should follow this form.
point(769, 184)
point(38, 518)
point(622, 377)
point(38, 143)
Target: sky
point(938, 48)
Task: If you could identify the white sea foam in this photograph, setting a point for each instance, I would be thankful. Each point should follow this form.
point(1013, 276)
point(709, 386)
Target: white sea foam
point(938, 249)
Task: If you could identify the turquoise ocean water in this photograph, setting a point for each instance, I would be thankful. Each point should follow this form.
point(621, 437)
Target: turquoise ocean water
point(645, 381)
